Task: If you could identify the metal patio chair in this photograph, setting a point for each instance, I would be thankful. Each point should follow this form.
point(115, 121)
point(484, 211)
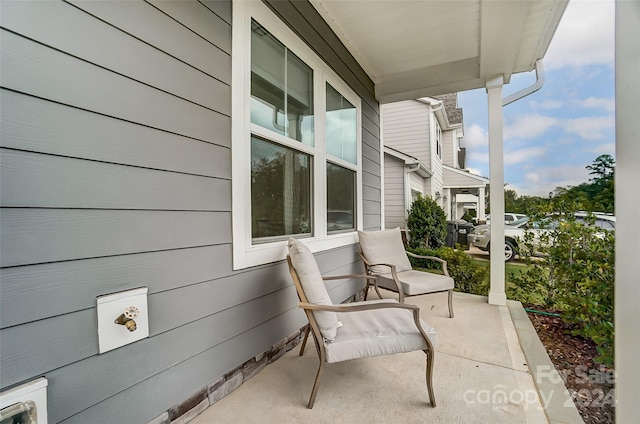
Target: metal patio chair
point(384, 257)
point(355, 330)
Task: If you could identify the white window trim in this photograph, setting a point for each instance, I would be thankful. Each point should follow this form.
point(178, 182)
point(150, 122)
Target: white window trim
point(246, 254)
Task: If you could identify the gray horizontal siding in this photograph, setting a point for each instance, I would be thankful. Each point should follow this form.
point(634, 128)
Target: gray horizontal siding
point(115, 174)
point(70, 286)
point(173, 37)
point(99, 137)
point(159, 392)
point(72, 81)
point(37, 180)
point(48, 235)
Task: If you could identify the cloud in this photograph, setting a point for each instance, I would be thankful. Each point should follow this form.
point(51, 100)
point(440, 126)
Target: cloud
point(529, 126)
point(547, 104)
point(589, 128)
point(522, 155)
point(546, 179)
point(597, 103)
point(475, 136)
point(601, 149)
point(585, 35)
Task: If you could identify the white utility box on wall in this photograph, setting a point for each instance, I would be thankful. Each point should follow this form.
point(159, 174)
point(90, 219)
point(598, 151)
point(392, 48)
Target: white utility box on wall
point(26, 403)
point(123, 318)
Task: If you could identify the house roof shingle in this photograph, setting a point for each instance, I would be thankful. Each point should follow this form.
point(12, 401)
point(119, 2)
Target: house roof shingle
point(454, 113)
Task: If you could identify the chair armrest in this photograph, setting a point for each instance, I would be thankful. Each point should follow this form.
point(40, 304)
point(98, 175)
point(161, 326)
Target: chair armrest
point(432, 258)
point(368, 266)
point(366, 306)
point(344, 277)
point(361, 306)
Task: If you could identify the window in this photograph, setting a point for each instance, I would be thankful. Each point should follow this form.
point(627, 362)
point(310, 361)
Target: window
point(280, 195)
point(281, 88)
point(341, 143)
point(296, 143)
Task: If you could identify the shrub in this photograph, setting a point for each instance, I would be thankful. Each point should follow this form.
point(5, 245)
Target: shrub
point(575, 275)
point(427, 224)
point(470, 277)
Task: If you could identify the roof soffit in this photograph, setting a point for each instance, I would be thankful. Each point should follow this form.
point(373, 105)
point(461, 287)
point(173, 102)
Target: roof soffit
point(417, 48)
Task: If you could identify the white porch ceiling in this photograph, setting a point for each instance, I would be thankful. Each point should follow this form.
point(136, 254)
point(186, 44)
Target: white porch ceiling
point(417, 48)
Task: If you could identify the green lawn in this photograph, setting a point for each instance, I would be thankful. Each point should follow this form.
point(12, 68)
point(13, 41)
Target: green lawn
point(515, 268)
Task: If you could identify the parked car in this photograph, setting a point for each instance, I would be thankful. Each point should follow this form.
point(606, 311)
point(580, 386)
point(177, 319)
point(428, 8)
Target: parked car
point(509, 217)
point(515, 232)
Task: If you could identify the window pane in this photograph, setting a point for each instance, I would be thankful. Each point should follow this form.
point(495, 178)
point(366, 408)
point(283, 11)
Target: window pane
point(341, 126)
point(341, 198)
point(280, 190)
point(281, 88)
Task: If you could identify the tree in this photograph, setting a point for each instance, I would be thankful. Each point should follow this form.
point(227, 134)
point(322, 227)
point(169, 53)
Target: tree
point(603, 168)
point(427, 224)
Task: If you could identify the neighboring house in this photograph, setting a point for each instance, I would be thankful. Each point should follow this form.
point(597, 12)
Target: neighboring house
point(175, 145)
point(422, 155)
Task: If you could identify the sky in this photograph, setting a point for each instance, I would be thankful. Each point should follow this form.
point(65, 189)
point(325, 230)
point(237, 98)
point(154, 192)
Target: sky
point(551, 135)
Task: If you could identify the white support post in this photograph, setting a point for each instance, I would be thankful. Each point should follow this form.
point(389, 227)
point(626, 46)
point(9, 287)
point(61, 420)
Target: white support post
point(480, 215)
point(496, 196)
point(627, 289)
point(447, 202)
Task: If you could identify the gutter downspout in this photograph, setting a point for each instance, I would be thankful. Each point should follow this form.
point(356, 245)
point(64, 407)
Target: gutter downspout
point(528, 90)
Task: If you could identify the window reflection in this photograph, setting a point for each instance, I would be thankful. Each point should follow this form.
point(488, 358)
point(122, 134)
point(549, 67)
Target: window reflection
point(341, 198)
point(281, 88)
point(341, 126)
point(280, 190)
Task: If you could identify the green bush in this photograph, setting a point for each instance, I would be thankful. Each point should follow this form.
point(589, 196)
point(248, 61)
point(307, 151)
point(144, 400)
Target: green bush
point(470, 277)
point(575, 274)
point(427, 224)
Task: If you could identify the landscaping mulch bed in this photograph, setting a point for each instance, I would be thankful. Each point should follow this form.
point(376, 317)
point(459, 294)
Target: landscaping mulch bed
point(590, 385)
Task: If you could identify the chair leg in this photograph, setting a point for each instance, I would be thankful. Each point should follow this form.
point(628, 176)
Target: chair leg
point(304, 341)
point(451, 303)
point(366, 290)
point(377, 290)
point(314, 391)
point(429, 376)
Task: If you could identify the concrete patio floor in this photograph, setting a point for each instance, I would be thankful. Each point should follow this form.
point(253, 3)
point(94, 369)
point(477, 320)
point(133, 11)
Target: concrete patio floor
point(481, 375)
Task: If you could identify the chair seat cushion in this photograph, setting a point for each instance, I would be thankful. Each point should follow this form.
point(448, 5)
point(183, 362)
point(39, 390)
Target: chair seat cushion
point(416, 282)
point(377, 332)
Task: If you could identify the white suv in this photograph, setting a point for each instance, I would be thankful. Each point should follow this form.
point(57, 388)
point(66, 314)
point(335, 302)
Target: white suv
point(509, 217)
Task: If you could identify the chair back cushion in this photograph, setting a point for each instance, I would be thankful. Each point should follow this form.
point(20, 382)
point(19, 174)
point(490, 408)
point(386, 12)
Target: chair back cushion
point(313, 286)
point(384, 247)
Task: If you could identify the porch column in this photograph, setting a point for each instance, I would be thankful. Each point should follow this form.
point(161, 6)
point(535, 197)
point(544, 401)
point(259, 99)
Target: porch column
point(627, 289)
point(480, 215)
point(447, 201)
point(496, 195)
